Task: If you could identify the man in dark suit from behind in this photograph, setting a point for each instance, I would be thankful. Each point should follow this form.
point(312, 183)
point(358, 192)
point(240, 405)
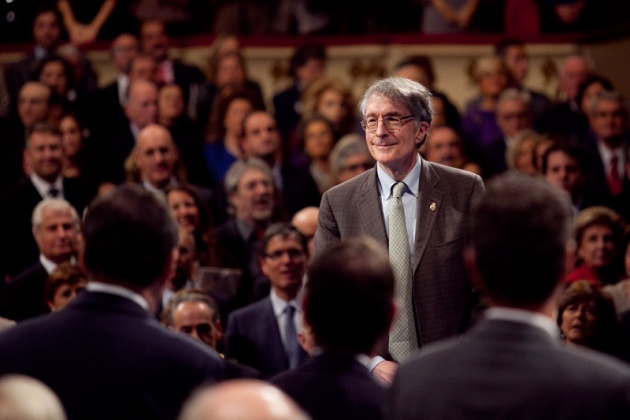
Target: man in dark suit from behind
point(105, 354)
point(349, 306)
point(263, 335)
point(56, 229)
point(513, 364)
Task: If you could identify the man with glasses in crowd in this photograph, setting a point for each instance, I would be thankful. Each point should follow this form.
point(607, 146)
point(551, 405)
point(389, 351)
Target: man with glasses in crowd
point(421, 206)
point(263, 335)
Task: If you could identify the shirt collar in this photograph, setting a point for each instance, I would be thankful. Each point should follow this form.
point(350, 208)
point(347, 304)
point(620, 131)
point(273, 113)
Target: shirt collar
point(412, 180)
point(43, 186)
point(48, 265)
point(524, 317)
point(279, 305)
point(122, 82)
point(113, 289)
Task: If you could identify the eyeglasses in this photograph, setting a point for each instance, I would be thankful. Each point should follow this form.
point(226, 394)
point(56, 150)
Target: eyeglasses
point(391, 123)
point(292, 253)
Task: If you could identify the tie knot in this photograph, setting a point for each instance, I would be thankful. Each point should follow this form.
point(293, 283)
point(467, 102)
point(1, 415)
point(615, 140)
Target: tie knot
point(399, 189)
point(290, 310)
point(53, 192)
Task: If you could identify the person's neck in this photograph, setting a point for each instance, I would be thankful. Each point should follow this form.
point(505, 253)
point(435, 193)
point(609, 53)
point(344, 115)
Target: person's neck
point(167, 121)
point(287, 294)
point(231, 142)
point(612, 143)
point(49, 178)
point(488, 103)
point(322, 164)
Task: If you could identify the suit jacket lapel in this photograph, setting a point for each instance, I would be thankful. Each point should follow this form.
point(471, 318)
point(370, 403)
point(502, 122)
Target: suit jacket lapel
point(370, 209)
point(429, 204)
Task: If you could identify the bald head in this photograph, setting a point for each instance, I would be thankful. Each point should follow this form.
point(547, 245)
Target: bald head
point(155, 155)
point(305, 221)
point(241, 400)
point(141, 106)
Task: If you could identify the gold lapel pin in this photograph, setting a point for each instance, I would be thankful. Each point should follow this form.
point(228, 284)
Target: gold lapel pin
point(433, 206)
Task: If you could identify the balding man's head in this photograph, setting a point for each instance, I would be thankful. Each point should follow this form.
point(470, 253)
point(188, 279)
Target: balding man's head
point(305, 221)
point(155, 155)
point(141, 106)
point(242, 399)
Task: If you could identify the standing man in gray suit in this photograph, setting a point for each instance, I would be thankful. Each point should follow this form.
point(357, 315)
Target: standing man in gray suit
point(513, 363)
point(431, 283)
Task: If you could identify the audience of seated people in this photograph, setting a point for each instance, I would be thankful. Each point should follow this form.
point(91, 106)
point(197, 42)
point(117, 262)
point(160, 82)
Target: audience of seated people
point(229, 170)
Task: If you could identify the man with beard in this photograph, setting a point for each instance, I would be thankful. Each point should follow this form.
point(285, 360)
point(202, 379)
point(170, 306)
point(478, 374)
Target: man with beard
point(250, 189)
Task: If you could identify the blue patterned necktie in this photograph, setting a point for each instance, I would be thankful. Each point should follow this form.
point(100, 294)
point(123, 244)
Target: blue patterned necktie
point(291, 344)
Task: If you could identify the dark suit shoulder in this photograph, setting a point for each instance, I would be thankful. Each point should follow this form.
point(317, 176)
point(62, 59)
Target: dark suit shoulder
point(252, 311)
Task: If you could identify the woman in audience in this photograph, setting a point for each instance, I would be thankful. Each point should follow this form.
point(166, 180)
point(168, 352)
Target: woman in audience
point(597, 233)
point(62, 285)
point(318, 140)
point(222, 146)
point(332, 99)
point(587, 318)
point(479, 123)
point(193, 217)
point(57, 73)
point(520, 154)
point(73, 146)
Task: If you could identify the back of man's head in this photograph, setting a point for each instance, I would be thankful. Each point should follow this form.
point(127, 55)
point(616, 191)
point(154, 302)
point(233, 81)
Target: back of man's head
point(129, 237)
point(519, 233)
point(349, 296)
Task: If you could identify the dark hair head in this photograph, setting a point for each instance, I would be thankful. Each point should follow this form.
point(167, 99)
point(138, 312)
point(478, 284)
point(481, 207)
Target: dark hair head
point(421, 61)
point(591, 80)
point(349, 296)
point(519, 231)
point(129, 237)
point(306, 52)
point(500, 48)
point(68, 71)
point(216, 129)
point(284, 230)
point(574, 152)
point(43, 127)
point(308, 121)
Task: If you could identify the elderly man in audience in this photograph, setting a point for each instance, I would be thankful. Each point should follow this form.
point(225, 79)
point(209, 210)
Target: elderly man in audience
point(497, 369)
point(566, 115)
point(261, 139)
point(106, 356)
point(194, 313)
point(349, 158)
point(346, 326)
point(606, 146)
point(263, 335)
point(44, 158)
point(57, 230)
point(513, 114)
point(111, 147)
point(250, 190)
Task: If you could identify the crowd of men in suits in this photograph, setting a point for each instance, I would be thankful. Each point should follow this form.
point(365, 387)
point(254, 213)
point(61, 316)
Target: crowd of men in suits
point(362, 295)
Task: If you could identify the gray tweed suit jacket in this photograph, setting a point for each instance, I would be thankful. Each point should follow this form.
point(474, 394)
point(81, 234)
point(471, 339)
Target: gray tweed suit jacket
point(442, 294)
